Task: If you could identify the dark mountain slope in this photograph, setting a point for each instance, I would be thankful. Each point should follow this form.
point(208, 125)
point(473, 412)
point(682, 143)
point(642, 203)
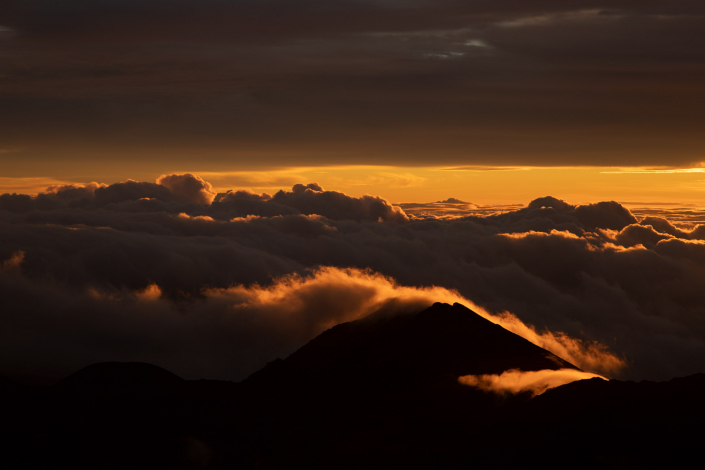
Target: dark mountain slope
point(381, 392)
point(615, 424)
point(120, 378)
point(439, 344)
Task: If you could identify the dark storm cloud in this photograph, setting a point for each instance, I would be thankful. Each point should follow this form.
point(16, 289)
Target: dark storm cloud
point(418, 83)
point(593, 272)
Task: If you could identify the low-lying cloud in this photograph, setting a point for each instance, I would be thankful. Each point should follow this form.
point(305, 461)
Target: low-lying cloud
point(515, 381)
point(226, 333)
point(606, 290)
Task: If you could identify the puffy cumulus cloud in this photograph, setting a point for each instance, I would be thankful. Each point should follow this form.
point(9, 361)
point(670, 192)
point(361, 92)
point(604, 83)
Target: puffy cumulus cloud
point(550, 202)
point(640, 235)
point(611, 215)
point(312, 199)
point(662, 225)
point(635, 291)
point(698, 232)
point(301, 188)
point(243, 203)
point(176, 193)
point(188, 188)
point(16, 202)
point(243, 194)
point(516, 381)
point(70, 192)
point(131, 190)
point(226, 333)
point(588, 217)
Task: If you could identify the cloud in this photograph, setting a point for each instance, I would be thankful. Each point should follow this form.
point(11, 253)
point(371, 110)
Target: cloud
point(174, 193)
point(188, 188)
point(226, 332)
point(667, 171)
point(633, 235)
point(73, 191)
point(312, 199)
point(485, 168)
point(301, 188)
point(633, 292)
point(13, 263)
point(662, 225)
point(468, 112)
point(515, 381)
point(131, 190)
point(452, 200)
point(242, 194)
point(607, 215)
point(28, 185)
point(589, 356)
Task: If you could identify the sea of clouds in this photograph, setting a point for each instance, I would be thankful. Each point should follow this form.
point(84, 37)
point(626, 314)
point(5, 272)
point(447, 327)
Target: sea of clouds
point(216, 285)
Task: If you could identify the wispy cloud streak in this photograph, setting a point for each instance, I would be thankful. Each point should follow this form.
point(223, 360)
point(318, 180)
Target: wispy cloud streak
point(516, 381)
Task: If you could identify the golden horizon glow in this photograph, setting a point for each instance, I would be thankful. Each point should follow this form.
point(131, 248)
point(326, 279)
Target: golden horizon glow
point(476, 184)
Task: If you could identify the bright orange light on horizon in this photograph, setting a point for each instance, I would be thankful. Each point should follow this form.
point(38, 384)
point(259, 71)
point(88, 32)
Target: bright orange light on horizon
point(479, 185)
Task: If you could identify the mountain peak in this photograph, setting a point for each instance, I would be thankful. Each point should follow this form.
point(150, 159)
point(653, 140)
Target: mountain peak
point(442, 342)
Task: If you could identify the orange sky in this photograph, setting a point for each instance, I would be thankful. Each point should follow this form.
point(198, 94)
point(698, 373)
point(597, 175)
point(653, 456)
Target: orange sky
point(508, 185)
point(378, 97)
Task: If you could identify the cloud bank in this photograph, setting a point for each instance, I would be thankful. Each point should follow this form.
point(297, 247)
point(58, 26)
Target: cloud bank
point(596, 285)
point(226, 333)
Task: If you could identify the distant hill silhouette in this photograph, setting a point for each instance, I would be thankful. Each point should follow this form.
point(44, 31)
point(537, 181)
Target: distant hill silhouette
point(381, 392)
point(120, 378)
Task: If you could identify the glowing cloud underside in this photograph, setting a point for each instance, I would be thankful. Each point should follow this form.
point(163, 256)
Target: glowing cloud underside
point(515, 381)
point(368, 291)
point(246, 326)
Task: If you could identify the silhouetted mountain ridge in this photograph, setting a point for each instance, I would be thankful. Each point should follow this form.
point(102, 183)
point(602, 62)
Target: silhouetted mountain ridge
point(442, 342)
point(120, 377)
point(380, 392)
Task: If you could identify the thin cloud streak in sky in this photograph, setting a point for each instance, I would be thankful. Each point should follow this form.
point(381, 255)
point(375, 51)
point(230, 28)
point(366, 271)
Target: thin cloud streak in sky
point(654, 171)
point(485, 168)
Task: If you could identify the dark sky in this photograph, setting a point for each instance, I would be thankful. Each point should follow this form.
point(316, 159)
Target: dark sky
point(258, 84)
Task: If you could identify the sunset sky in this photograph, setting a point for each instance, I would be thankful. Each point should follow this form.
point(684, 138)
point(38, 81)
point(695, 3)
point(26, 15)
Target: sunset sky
point(208, 185)
point(352, 233)
point(410, 100)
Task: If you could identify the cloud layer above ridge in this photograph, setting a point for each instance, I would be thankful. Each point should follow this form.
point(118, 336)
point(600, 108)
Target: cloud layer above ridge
point(149, 271)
